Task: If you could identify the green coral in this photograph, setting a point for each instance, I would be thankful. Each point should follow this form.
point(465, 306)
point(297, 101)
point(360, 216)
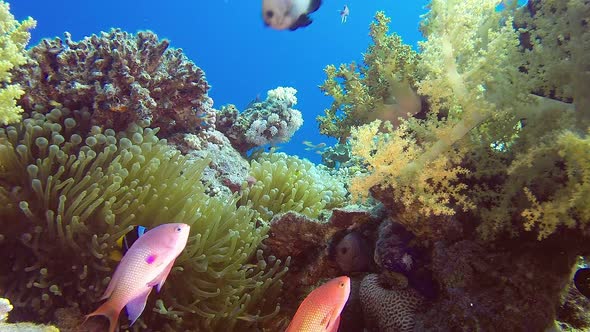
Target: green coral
point(69, 189)
point(14, 36)
point(287, 183)
point(500, 109)
point(379, 88)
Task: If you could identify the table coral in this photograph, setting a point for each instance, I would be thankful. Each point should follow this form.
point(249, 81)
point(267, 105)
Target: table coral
point(271, 121)
point(121, 78)
point(69, 190)
point(14, 36)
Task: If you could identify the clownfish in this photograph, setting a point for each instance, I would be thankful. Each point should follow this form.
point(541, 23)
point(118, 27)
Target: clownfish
point(126, 241)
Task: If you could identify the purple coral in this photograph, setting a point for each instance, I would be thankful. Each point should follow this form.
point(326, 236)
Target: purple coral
point(121, 78)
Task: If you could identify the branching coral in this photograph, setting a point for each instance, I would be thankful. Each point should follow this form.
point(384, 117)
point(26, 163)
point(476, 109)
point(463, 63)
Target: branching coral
point(14, 36)
point(568, 203)
point(121, 78)
point(271, 121)
point(380, 88)
point(484, 121)
point(386, 155)
point(287, 183)
point(70, 194)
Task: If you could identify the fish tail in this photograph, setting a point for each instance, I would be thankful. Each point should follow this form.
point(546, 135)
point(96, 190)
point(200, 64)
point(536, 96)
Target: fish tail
point(110, 311)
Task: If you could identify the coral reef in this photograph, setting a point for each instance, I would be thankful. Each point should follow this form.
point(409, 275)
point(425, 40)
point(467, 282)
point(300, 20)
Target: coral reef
point(398, 252)
point(513, 288)
point(473, 148)
point(227, 171)
point(388, 308)
point(287, 183)
point(309, 244)
point(14, 36)
point(122, 78)
point(271, 121)
point(575, 310)
point(74, 194)
point(382, 87)
point(5, 308)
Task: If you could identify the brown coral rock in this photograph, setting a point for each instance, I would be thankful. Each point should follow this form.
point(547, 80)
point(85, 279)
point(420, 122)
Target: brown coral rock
point(389, 309)
point(121, 78)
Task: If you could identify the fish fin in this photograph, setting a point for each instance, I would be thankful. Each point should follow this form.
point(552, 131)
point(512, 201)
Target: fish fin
point(301, 22)
point(161, 278)
point(314, 5)
point(111, 287)
point(110, 311)
point(328, 321)
point(335, 325)
point(135, 307)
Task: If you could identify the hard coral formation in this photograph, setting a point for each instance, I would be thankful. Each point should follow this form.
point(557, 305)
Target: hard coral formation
point(387, 308)
point(271, 121)
point(14, 36)
point(513, 288)
point(287, 183)
point(382, 87)
point(69, 190)
point(227, 170)
point(122, 78)
point(5, 308)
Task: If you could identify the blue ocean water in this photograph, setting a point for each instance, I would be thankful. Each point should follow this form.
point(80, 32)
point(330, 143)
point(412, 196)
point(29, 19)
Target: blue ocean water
point(241, 57)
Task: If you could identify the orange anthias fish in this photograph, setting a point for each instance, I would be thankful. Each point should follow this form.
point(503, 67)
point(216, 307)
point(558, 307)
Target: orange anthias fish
point(146, 264)
point(320, 311)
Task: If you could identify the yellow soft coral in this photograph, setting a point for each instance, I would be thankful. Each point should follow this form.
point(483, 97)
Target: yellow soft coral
point(569, 204)
point(387, 155)
point(14, 36)
point(382, 87)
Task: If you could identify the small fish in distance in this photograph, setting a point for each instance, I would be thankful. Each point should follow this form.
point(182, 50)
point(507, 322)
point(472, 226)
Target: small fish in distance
point(344, 14)
point(288, 14)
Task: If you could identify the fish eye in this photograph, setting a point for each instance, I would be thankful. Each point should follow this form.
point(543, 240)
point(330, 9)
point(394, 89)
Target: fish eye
point(178, 229)
point(269, 13)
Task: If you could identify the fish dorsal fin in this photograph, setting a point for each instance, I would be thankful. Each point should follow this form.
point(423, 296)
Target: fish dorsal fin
point(314, 5)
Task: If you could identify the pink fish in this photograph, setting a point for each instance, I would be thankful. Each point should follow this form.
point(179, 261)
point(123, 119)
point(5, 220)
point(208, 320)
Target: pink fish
point(145, 265)
point(320, 311)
